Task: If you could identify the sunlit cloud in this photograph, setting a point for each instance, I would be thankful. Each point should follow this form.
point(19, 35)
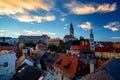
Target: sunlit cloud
point(114, 26)
point(32, 18)
point(49, 18)
point(81, 8)
point(116, 37)
point(62, 19)
point(29, 32)
point(85, 26)
point(20, 9)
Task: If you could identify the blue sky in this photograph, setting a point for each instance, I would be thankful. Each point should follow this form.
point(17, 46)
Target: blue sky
point(53, 17)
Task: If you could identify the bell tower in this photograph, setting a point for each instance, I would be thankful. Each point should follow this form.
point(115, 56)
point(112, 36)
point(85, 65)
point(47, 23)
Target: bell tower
point(71, 30)
point(92, 44)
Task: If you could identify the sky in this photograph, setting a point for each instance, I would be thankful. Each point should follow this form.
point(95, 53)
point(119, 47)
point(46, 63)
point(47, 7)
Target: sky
point(53, 17)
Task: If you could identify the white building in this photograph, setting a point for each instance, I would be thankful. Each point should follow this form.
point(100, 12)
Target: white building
point(11, 41)
point(7, 65)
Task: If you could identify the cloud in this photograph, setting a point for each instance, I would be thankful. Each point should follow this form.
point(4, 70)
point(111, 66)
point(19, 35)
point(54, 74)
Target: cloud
point(62, 19)
point(49, 33)
point(20, 9)
point(81, 8)
point(2, 34)
point(32, 18)
point(85, 26)
point(29, 32)
point(64, 28)
point(116, 37)
point(2, 30)
point(114, 26)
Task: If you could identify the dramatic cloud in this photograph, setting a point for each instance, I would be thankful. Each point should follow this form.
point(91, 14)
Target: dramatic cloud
point(29, 32)
point(85, 26)
point(81, 8)
point(32, 18)
point(20, 9)
point(114, 26)
point(62, 19)
point(117, 37)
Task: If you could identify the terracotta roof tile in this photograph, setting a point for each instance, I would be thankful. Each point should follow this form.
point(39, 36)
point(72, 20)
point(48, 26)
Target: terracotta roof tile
point(106, 49)
point(21, 59)
point(13, 48)
point(70, 65)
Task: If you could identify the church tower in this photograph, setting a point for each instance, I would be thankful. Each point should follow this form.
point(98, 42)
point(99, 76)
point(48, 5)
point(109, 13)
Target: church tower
point(92, 44)
point(71, 30)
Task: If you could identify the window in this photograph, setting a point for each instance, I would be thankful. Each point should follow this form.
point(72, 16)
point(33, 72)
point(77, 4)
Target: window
point(62, 77)
point(5, 64)
point(1, 75)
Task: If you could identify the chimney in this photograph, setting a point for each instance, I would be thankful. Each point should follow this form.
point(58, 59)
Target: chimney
point(92, 66)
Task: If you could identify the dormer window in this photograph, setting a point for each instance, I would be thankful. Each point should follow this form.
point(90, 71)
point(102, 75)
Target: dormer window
point(59, 61)
point(67, 65)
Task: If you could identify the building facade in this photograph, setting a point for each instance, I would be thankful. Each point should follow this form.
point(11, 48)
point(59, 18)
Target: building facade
point(33, 39)
point(7, 65)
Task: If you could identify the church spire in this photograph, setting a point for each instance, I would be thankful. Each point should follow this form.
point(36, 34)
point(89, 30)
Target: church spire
point(71, 30)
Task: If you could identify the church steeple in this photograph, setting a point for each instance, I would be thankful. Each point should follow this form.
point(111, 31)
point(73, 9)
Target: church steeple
point(92, 44)
point(71, 30)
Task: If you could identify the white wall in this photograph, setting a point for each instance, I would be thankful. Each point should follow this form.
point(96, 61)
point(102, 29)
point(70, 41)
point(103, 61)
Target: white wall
point(7, 72)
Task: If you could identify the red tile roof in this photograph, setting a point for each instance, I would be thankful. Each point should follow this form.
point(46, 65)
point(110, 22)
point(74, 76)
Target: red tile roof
point(84, 45)
point(13, 48)
point(41, 45)
point(42, 36)
point(75, 47)
point(106, 49)
point(22, 58)
point(70, 65)
point(99, 62)
point(68, 36)
point(33, 53)
point(54, 39)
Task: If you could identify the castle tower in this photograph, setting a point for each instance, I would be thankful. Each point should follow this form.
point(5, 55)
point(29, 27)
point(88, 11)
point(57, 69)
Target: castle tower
point(71, 30)
point(92, 44)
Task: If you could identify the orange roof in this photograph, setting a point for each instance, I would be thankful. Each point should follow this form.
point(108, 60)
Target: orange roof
point(21, 59)
point(14, 48)
point(41, 45)
point(33, 53)
point(116, 45)
point(54, 39)
point(70, 65)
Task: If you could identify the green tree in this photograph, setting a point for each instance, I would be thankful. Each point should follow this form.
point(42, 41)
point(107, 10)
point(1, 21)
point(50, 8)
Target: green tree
point(52, 48)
